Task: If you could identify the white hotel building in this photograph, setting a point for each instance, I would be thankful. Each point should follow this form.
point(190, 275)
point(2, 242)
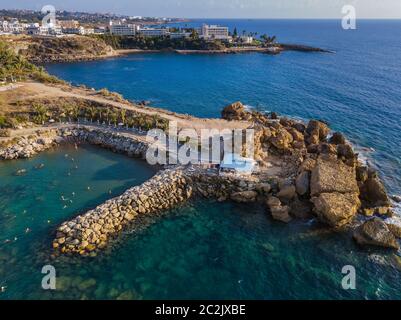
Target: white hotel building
point(123, 29)
point(214, 32)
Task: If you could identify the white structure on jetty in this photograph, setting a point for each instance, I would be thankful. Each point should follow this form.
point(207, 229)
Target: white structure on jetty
point(234, 163)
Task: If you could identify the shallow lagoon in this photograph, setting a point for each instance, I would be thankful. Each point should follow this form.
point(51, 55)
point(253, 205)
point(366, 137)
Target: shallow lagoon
point(201, 250)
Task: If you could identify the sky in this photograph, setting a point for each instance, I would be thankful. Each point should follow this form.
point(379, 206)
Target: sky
point(318, 9)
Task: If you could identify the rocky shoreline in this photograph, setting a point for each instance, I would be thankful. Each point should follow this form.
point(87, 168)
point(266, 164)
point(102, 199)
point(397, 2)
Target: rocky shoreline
point(318, 176)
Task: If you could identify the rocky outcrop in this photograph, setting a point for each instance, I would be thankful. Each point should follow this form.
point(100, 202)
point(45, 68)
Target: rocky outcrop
point(93, 230)
point(282, 139)
point(277, 210)
point(375, 232)
point(336, 209)
point(335, 192)
point(28, 146)
point(316, 131)
point(244, 196)
point(330, 175)
point(302, 183)
point(374, 192)
point(234, 111)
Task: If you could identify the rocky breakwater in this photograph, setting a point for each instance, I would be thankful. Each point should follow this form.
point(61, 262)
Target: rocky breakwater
point(126, 144)
point(28, 146)
point(323, 178)
point(91, 231)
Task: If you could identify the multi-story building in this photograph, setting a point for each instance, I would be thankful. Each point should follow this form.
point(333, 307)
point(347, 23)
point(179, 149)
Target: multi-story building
point(153, 32)
point(15, 27)
point(214, 32)
point(179, 35)
point(123, 29)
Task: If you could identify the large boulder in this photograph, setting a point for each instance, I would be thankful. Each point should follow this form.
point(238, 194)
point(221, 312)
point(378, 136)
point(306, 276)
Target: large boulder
point(286, 193)
point(333, 176)
point(375, 232)
point(374, 192)
point(282, 140)
point(234, 111)
point(244, 196)
point(278, 212)
point(336, 209)
point(319, 128)
point(302, 183)
point(337, 138)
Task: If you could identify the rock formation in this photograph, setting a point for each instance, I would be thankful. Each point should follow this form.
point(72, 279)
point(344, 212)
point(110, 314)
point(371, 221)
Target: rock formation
point(375, 232)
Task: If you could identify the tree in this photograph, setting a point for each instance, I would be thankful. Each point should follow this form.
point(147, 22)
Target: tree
point(123, 115)
point(91, 113)
point(235, 33)
point(194, 35)
point(40, 113)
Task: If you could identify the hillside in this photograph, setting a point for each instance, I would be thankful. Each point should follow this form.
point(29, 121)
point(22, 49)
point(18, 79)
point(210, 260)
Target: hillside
point(52, 49)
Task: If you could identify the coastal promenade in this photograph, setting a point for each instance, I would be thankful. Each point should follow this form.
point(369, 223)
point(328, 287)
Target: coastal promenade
point(36, 90)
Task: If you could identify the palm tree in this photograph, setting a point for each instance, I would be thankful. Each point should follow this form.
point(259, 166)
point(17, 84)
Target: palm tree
point(41, 113)
point(114, 117)
point(123, 115)
point(91, 113)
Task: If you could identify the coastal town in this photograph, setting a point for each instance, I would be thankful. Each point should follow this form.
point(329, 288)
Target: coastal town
point(121, 27)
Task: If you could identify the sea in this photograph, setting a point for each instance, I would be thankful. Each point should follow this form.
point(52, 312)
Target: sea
point(205, 249)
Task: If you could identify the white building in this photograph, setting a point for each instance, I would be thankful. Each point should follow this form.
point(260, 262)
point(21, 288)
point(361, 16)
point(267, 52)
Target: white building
point(123, 29)
point(35, 30)
point(180, 35)
point(246, 39)
point(209, 32)
point(234, 163)
point(13, 26)
point(74, 30)
point(153, 32)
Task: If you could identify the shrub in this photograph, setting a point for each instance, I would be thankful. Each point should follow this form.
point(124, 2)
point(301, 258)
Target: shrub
point(5, 133)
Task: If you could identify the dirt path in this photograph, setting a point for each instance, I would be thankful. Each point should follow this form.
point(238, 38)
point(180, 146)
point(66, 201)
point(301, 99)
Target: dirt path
point(40, 90)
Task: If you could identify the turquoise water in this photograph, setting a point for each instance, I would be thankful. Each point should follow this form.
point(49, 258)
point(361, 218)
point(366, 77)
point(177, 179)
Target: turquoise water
point(357, 89)
point(208, 249)
point(201, 250)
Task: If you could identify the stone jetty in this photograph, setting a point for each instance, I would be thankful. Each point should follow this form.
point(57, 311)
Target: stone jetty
point(28, 146)
point(92, 230)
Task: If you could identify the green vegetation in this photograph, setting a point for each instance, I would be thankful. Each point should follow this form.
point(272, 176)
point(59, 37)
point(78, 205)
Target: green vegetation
point(160, 43)
point(14, 67)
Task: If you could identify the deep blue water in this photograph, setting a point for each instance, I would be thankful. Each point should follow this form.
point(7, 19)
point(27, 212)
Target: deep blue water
point(208, 249)
point(357, 89)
